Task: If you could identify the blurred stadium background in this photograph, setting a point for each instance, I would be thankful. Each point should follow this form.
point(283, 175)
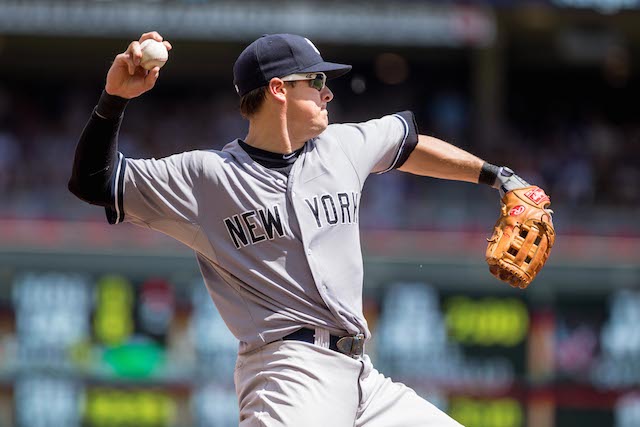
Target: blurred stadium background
point(111, 326)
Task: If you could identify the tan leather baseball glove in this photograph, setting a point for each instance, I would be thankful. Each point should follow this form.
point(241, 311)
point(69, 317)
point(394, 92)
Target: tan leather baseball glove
point(522, 237)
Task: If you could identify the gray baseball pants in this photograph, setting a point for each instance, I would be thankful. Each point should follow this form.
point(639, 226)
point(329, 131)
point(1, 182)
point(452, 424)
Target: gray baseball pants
point(299, 384)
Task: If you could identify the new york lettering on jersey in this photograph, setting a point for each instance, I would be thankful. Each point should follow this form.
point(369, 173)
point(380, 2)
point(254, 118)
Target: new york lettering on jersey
point(339, 208)
point(254, 226)
point(257, 225)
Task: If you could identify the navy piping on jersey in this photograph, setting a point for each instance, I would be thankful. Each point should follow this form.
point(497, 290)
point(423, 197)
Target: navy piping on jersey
point(404, 140)
point(408, 143)
point(115, 214)
point(119, 187)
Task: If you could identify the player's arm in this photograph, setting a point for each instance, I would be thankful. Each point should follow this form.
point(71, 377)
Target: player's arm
point(96, 154)
point(439, 159)
point(97, 151)
point(523, 235)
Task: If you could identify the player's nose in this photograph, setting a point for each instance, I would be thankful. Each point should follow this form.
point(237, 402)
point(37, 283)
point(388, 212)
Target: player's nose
point(326, 94)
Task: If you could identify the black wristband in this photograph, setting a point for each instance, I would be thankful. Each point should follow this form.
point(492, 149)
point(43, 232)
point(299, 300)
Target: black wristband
point(488, 174)
point(111, 106)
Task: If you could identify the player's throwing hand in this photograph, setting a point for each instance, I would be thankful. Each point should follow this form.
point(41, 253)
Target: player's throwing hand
point(126, 78)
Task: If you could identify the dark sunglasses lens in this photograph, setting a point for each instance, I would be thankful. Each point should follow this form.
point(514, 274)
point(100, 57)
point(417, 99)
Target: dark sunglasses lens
point(318, 82)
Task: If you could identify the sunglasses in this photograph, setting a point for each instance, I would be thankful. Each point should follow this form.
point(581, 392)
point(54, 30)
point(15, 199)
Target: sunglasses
point(316, 80)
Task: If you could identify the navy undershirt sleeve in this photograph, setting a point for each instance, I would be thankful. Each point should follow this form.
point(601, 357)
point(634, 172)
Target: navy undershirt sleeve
point(97, 153)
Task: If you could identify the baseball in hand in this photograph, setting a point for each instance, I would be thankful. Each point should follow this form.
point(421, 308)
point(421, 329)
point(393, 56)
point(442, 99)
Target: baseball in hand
point(154, 54)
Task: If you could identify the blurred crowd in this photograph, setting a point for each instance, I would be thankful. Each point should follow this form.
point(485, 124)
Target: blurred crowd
point(589, 165)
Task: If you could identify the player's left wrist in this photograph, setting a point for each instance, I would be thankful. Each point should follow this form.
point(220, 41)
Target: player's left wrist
point(501, 178)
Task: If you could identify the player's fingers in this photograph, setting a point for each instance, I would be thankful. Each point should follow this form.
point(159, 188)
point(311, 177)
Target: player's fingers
point(151, 78)
point(151, 35)
point(167, 45)
point(125, 59)
point(135, 54)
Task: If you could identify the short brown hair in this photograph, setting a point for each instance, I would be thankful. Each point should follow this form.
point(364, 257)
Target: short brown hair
point(251, 102)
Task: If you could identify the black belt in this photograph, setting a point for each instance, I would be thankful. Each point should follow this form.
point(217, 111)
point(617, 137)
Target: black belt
point(351, 345)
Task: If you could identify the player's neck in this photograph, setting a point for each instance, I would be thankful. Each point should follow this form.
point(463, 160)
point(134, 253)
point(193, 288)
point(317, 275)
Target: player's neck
point(269, 132)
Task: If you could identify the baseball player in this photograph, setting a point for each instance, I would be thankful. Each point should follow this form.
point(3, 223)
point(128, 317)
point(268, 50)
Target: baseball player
point(273, 220)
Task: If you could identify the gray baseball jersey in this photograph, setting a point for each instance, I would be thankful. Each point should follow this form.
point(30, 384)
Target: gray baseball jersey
point(286, 248)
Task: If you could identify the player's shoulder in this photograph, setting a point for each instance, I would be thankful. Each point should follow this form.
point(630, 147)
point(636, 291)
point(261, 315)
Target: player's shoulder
point(211, 154)
point(200, 162)
point(398, 117)
point(349, 130)
point(231, 156)
point(197, 157)
point(336, 130)
point(207, 165)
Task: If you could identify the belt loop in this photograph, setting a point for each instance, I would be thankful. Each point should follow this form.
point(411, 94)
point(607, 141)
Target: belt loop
point(322, 337)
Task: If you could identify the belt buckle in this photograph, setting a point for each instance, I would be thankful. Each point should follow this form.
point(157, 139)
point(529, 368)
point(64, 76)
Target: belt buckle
point(351, 345)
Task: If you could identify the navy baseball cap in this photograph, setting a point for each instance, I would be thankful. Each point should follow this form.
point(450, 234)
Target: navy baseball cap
point(278, 55)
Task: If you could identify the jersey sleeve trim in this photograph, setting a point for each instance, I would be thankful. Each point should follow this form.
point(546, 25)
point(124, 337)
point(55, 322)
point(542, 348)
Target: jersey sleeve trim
point(115, 214)
point(409, 141)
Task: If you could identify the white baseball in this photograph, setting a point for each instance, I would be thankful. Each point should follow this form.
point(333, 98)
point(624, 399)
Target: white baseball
point(154, 54)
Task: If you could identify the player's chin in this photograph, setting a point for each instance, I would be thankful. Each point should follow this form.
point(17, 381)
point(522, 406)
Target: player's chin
point(324, 118)
point(320, 123)
point(321, 127)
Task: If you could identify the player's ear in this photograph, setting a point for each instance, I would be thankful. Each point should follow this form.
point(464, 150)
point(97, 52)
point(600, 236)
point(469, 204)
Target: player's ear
point(277, 89)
